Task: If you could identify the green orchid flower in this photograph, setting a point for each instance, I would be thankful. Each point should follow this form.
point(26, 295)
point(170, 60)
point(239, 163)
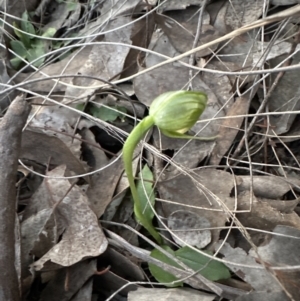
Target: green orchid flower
point(174, 113)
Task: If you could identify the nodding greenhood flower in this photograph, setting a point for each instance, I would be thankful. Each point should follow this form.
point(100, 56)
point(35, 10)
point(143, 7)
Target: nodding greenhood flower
point(175, 112)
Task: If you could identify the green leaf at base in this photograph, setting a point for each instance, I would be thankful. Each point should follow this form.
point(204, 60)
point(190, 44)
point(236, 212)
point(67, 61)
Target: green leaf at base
point(210, 269)
point(145, 191)
point(158, 273)
point(106, 113)
point(214, 270)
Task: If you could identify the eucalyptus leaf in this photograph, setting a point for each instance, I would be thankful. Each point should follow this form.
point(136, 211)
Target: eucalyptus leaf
point(211, 269)
point(158, 273)
point(144, 188)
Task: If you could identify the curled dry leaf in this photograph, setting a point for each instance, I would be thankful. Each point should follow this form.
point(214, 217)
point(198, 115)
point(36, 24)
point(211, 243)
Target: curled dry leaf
point(111, 282)
point(122, 265)
point(284, 2)
point(287, 206)
point(95, 156)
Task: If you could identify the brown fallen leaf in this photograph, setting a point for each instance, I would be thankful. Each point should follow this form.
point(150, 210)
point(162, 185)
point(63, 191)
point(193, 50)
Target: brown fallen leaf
point(68, 281)
point(239, 14)
point(83, 236)
point(189, 227)
point(229, 128)
point(104, 61)
point(70, 66)
point(283, 250)
point(180, 193)
point(43, 149)
point(103, 186)
point(259, 278)
point(284, 97)
point(182, 35)
point(262, 215)
point(269, 187)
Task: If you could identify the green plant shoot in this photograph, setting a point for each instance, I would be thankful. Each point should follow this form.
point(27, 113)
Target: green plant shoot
point(29, 47)
point(174, 113)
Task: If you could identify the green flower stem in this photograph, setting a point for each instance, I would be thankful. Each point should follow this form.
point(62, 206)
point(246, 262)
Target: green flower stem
point(128, 149)
point(174, 113)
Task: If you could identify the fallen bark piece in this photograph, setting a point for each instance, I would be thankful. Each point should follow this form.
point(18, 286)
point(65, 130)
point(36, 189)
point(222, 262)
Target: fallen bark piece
point(10, 143)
